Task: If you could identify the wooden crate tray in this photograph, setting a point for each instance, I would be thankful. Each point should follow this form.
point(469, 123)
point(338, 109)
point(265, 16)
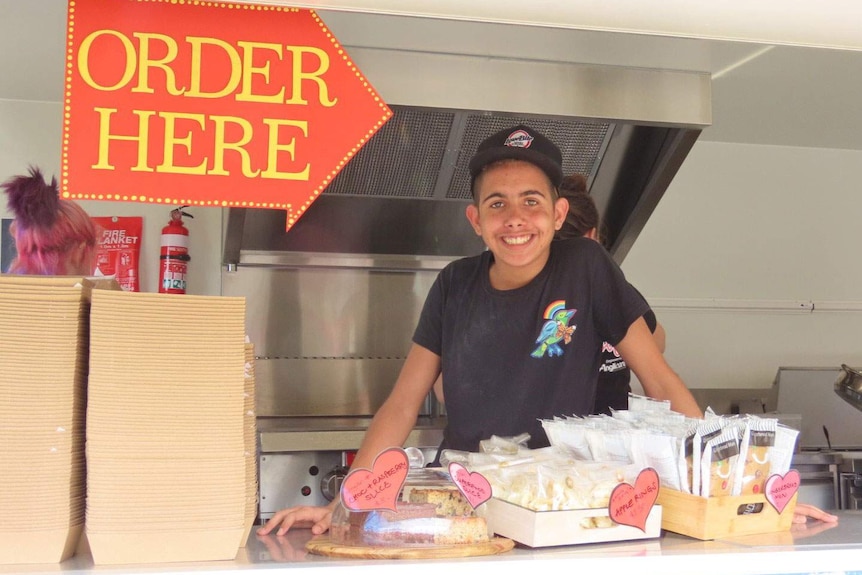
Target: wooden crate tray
point(716, 517)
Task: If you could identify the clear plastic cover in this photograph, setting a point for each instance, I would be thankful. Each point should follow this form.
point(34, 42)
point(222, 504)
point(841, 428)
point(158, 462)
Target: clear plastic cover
point(430, 512)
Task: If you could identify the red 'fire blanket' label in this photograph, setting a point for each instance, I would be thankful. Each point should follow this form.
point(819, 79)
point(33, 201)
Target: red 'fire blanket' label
point(119, 249)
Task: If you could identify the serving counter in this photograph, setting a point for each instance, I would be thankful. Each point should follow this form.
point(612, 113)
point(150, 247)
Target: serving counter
point(812, 548)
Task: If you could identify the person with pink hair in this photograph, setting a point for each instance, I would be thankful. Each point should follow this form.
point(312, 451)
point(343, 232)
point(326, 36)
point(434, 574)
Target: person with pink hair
point(52, 236)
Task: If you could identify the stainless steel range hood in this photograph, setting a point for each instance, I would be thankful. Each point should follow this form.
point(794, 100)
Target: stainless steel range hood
point(404, 193)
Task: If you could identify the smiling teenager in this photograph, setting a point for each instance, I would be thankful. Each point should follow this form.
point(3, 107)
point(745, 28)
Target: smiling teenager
point(518, 329)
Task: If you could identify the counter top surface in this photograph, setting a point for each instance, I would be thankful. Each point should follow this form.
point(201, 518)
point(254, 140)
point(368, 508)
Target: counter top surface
point(812, 548)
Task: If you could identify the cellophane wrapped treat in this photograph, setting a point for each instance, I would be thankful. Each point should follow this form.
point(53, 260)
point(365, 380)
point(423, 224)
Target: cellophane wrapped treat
point(548, 479)
point(715, 456)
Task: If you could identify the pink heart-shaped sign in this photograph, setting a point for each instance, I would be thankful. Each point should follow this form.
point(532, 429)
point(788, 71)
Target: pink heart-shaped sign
point(631, 504)
point(378, 487)
point(475, 487)
point(781, 488)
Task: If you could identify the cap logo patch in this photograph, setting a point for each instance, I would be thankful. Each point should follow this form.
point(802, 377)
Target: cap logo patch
point(519, 139)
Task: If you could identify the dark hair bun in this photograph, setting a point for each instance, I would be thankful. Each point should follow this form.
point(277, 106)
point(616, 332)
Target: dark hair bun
point(33, 201)
point(574, 184)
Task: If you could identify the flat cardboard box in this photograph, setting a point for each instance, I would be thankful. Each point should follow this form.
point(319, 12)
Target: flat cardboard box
point(160, 546)
point(39, 546)
point(552, 528)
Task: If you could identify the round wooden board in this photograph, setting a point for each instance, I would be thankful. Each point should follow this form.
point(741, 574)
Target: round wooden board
point(323, 546)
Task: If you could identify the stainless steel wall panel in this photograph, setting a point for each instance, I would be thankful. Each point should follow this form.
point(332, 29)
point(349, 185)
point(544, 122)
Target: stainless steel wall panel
point(329, 341)
point(330, 313)
point(323, 387)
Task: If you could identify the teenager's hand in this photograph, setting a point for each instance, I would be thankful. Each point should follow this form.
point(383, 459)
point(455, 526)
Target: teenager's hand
point(317, 518)
point(803, 511)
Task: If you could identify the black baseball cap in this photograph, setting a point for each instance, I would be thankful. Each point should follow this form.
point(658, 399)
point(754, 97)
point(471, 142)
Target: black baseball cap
point(519, 143)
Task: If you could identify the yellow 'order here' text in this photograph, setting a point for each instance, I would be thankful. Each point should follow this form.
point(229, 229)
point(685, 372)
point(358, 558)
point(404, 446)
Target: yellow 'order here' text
point(179, 129)
point(249, 72)
point(250, 77)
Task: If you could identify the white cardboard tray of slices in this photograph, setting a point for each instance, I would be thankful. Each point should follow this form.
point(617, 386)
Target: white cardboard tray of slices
point(541, 499)
point(564, 527)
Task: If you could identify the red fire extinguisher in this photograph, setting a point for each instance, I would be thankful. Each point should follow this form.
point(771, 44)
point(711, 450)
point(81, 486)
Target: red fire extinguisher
point(174, 257)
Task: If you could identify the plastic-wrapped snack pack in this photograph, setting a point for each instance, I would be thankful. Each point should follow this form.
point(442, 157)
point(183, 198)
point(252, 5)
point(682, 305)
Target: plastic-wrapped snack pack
point(716, 456)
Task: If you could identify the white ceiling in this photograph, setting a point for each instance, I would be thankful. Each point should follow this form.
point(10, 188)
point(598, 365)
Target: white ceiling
point(763, 93)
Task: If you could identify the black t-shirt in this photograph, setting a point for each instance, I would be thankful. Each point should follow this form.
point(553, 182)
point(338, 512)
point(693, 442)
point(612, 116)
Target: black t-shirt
point(511, 358)
point(615, 376)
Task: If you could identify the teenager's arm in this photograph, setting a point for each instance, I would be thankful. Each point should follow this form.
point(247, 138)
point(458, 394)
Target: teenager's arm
point(659, 336)
point(640, 352)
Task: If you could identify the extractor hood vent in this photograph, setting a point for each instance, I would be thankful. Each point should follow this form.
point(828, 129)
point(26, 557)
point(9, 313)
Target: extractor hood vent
point(424, 153)
point(402, 160)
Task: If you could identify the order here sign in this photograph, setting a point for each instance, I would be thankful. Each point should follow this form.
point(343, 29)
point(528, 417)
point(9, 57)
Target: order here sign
point(191, 102)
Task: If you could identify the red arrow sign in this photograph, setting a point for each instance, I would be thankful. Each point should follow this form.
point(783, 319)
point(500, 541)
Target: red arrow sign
point(209, 104)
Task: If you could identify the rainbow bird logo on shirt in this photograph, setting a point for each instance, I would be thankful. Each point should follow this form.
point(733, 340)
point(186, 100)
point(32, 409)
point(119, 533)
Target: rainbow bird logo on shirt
point(555, 330)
